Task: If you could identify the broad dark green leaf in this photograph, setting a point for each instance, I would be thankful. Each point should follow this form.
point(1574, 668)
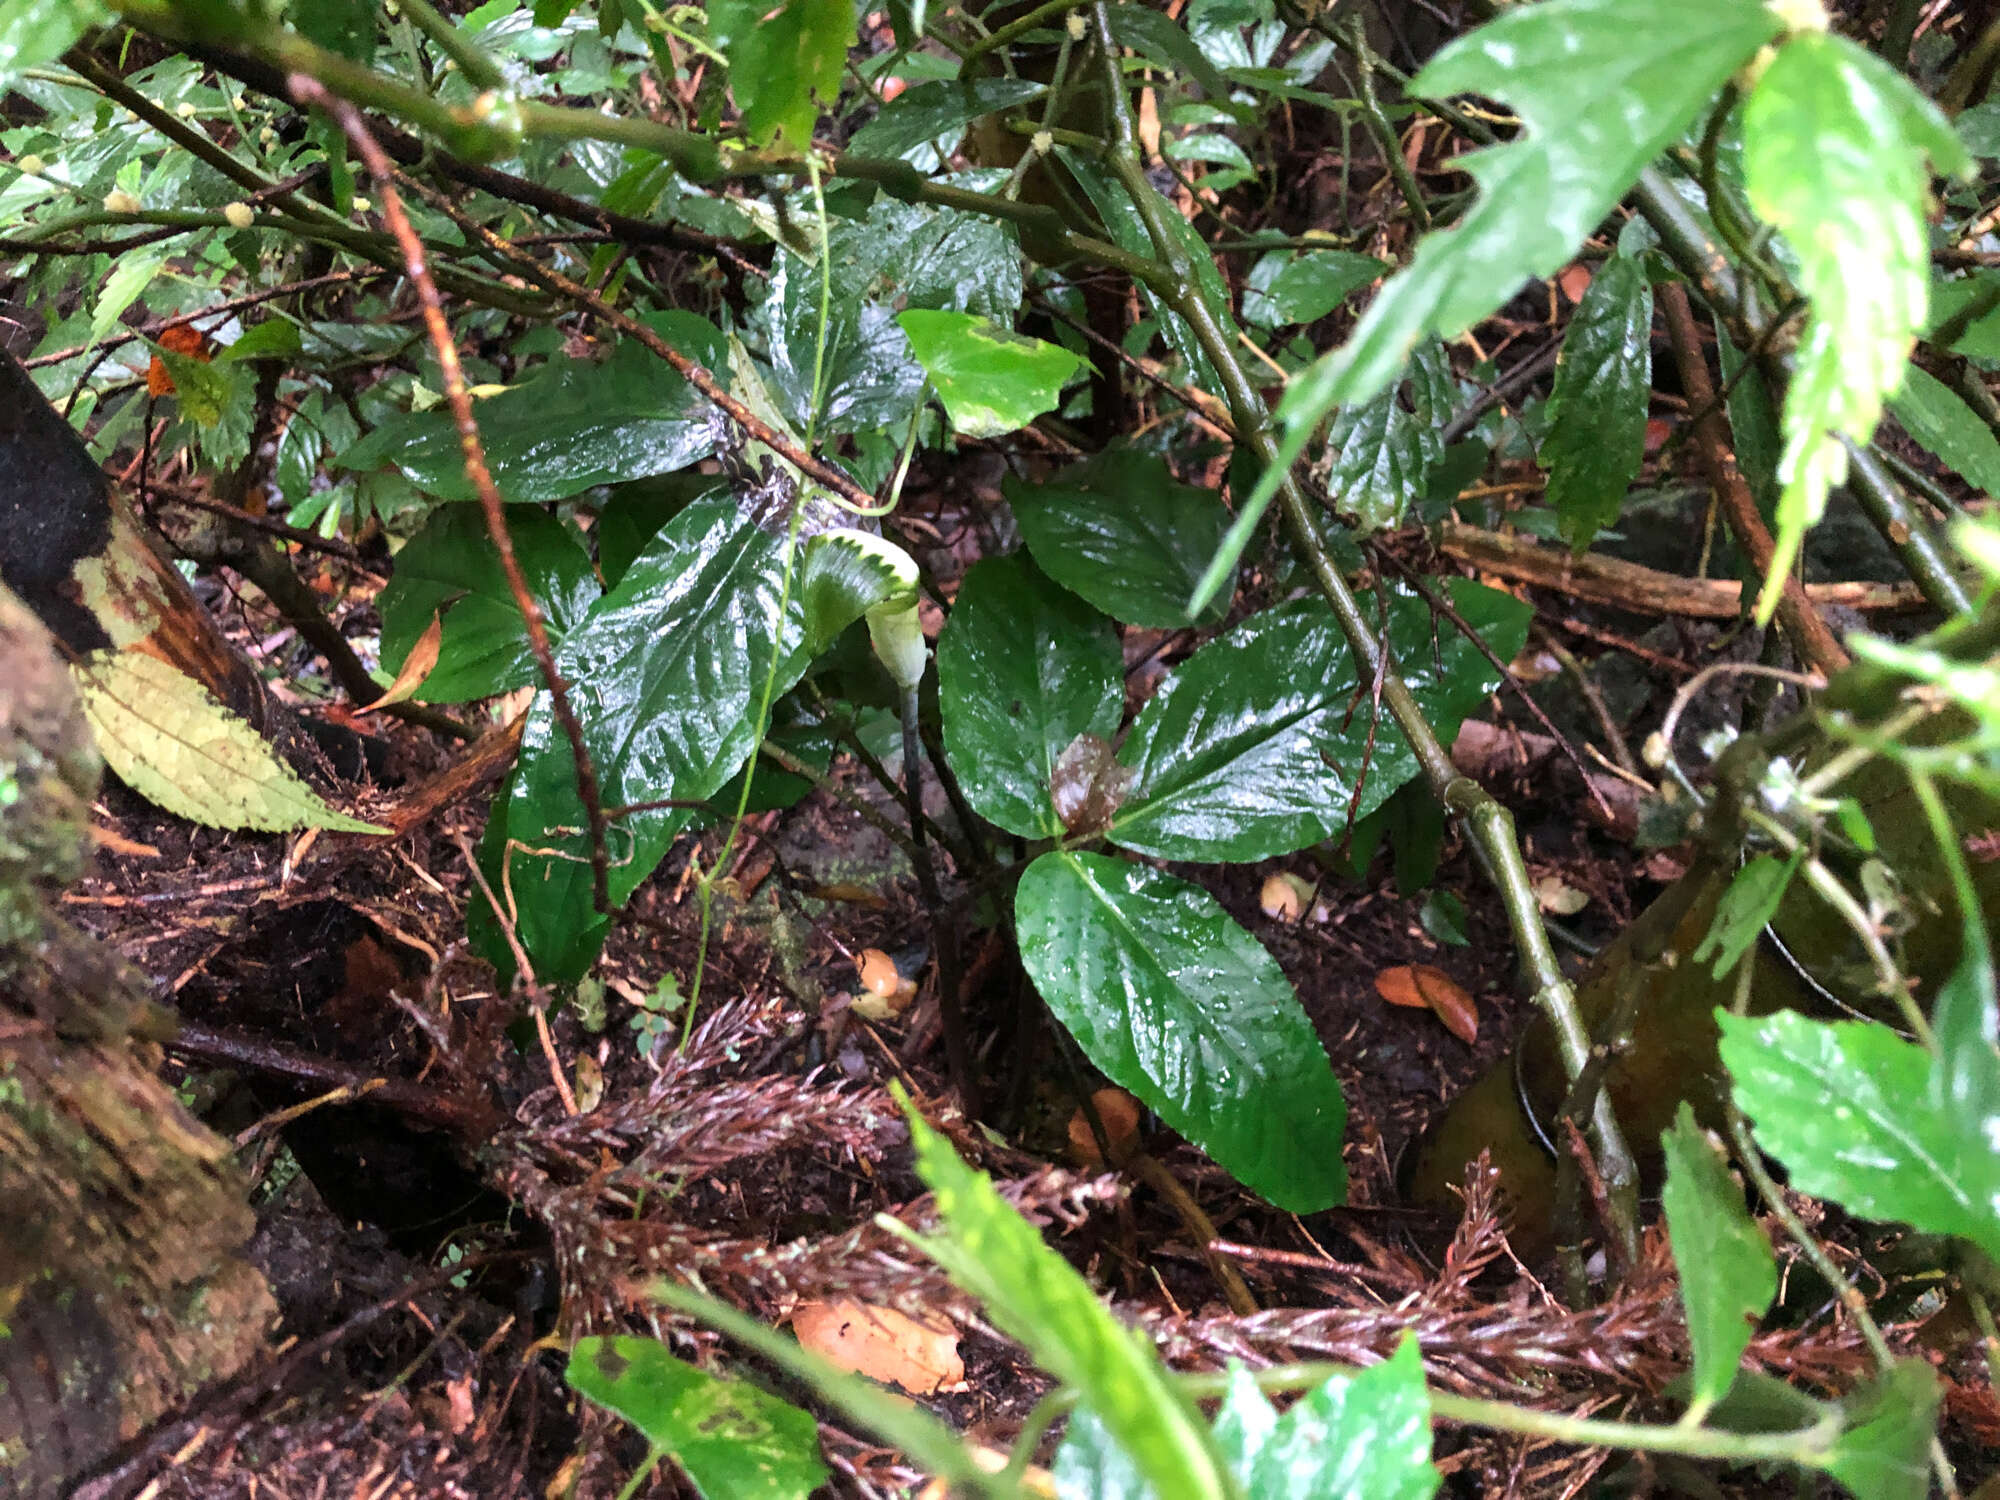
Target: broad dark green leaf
point(1965, 1076)
point(1383, 450)
point(784, 62)
point(1834, 149)
point(1597, 414)
point(452, 566)
point(1950, 299)
point(936, 114)
point(1938, 418)
point(1255, 745)
point(1847, 1106)
point(575, 425)
point(1175, 1002)
point(736, 1442)
point(665, 673)
point(343, 26)
point(1036, 1297)
point(1303, 288)
point(1156, 37)
point(991, 379)
point(1023, 669)
point(913, 255)
point(1728, 1273)
point(1122, 533)
point(1365, 1436)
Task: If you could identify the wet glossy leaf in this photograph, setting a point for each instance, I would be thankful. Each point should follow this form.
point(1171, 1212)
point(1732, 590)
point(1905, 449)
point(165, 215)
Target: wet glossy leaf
point(1156, 36)
point(1601, 87)
point(735, 1441)
point(1384, 449)
point(172, 743)
point(1023, 669)
point(1847, 1106)
point(1123, 534)
point(990, 379)
point(1254, 745)
point(452, 568)
point(1284, 288)
point(1728, 1273)
point(1938, 418)
point(575, 425)
point(784, 62)
point(665, 672)
point(1176, 1003)
point(936, 114)
point(1365, 1436)
point(1834, 149)
point(1035, 1296)
point(1423, 987)
point(1597, 414)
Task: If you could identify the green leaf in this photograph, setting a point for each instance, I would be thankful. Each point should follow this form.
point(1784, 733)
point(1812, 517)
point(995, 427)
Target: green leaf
point(666, 671)
point(1834, 145)
point(784, 62)
point(936, 114)
point(1728, 1273)
point(1884, 1448)
point(1847, 1107)
point(899, 1422)
point(129, 277)
point(273, 336)
point(1384, 450)
point(1601, 87)
point(1023, 669)
point(735, 1441)
point(33, 32)
point(1365, 1436)
point(1120, 532)
point(343, 26)
point(1036, 1297)
point(1597, 414)
point(1175, 1002)
point(165, 737)
point(845, 573)
point(451, 566)
point(1981, 338)
point(1938, 418)
point(1746, 909)
point(1156, 37)
point(574, 425)
point(1965, 1077)
point(1254, 746)
point(1284, 289)
point(990, 379)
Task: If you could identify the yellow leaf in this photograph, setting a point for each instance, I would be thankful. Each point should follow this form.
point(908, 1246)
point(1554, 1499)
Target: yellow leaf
point(176, 746)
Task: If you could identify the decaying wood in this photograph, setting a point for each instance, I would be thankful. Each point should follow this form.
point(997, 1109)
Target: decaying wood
point(120, 1287)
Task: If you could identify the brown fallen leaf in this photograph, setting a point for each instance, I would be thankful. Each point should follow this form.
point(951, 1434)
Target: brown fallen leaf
point(1420, 986)
point(416, 667)
point(1118, 1111)
point(883, 1344)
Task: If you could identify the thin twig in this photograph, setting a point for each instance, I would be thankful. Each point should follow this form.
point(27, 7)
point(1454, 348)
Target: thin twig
point(308, 91)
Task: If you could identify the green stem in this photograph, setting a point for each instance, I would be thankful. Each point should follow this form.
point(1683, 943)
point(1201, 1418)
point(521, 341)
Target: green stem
point(1487, 823)
point(473, 62)
point(1040, 15)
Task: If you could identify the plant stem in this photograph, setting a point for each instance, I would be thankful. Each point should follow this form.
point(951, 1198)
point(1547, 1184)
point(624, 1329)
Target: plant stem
point(1487, 824)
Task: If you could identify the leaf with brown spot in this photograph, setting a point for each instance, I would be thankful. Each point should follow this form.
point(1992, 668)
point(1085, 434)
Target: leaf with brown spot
point(1420, 986)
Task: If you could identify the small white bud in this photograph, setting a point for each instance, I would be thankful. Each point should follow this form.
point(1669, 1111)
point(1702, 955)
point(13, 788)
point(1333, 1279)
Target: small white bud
point(118, 201)
point(31, 165)
point(1076, 25)
point(362, 205)
point(1042, 142)
point(185, 109)
point(239, 215)
point(267, 135)
point(237, 101)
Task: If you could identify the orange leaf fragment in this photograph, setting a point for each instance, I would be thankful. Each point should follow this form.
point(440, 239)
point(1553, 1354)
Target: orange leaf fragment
point(176, 338)
point(920, 1355)
point(1421, 986)
point(1118, 1112)
point(416, 667)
